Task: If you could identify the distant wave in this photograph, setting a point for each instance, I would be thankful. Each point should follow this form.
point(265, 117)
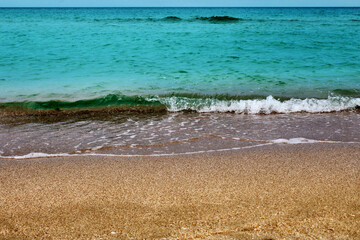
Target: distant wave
point(216, 19)
point(212, 19)
point(182, 102)
point(208, 19)
point(172, 18)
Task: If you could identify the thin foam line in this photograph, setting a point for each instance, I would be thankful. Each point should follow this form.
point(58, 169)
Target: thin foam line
point(270, 142)
point(44, 155)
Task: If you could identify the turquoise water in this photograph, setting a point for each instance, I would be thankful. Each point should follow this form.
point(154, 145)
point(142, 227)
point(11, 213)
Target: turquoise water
point(160, 81)
point(181, 57)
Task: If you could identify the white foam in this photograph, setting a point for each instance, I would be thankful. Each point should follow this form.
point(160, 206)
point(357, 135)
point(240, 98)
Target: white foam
point(259, 106)
point(296, 141)
point(37, 155)
point(270, 142)
point(305, 140)
point(43, 155)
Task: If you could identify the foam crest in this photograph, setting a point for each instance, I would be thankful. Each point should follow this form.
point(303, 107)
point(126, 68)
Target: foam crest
point(260, 106)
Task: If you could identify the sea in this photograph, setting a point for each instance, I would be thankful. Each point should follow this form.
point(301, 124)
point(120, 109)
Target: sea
point(166, 81)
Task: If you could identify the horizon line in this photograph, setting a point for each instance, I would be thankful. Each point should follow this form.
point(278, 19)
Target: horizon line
point(182, 7)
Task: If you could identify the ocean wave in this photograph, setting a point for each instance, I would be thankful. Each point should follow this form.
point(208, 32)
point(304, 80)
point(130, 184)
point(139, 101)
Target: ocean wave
point(211, 19)
point(113, 103)
point(171, 18)
point(107, 105)
point(217, 19)
point(270, 105)
point(106, 101)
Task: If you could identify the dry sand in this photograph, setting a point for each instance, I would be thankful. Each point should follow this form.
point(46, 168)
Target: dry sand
point(276, 192)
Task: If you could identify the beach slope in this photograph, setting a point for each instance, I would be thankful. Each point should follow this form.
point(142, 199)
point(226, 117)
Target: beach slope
point(272, 192)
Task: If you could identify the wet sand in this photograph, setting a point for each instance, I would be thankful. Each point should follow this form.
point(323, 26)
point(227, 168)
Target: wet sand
point(272, 192)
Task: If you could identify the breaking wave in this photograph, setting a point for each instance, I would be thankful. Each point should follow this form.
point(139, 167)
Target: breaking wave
point(268, 105)
point(113, 103)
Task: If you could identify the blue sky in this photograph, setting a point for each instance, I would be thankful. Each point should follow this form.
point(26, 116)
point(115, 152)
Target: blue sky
point(174, 3)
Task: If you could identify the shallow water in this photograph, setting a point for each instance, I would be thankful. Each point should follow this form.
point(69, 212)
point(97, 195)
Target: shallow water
point(175, 133)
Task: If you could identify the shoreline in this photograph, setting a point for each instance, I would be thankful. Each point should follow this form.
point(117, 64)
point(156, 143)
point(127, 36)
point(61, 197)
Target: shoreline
point(283, 191)
point(277, 143)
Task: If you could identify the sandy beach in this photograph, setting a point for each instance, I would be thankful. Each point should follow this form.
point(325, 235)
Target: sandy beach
point(273, 192)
